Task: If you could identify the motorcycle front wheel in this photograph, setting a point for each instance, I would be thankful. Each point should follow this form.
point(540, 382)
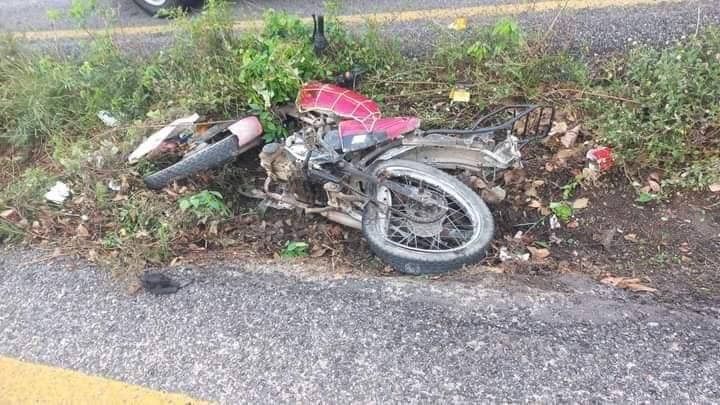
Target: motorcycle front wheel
point(444, 226)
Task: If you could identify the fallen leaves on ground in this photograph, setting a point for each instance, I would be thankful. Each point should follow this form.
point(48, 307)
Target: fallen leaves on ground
point(627, 283)
point(580, 203)
point(570, 137)
point(631, 237)
point(538, 254)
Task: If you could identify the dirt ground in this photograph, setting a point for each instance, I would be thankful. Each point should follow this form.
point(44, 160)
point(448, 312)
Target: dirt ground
point(669, 245)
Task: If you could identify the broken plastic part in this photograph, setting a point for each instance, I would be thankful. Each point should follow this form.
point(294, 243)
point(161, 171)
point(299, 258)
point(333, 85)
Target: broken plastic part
point(156, 139)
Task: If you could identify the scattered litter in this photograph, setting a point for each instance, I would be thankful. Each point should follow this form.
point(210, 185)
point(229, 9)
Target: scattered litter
point(108, 119)
point(114, 185)
point(554, 222)
point(600, 159)
point(459, 95)
point(507, 256)
point(568, 140)
point(627, 283)
point(715, 187)
point(160, 284)
point(460, 24)
point(494, 195)
point(580, 203)
point(58, 193)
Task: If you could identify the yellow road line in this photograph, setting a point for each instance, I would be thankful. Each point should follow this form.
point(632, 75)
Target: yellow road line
point(530, 6)
point(27, 383)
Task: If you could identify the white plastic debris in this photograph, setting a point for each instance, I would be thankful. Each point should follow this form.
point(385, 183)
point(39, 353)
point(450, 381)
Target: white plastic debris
point(158, 137)
point(58, 193)
point(114, 185)
point(507, 256)
point(108, 119)
point(554, 222)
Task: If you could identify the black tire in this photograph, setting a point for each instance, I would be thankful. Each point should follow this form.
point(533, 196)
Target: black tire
point(410, 261)
point(207, 158)
point(153, 6)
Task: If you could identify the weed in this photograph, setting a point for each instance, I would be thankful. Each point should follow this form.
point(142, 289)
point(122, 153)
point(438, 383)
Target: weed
point(673, 126)
point(27, 191)
point(646, 197)
point(205, 206)
point(562, 210)
point(295, 249)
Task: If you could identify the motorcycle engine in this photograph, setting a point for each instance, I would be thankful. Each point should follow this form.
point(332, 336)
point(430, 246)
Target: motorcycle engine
point(284, 163)
point(274, 160)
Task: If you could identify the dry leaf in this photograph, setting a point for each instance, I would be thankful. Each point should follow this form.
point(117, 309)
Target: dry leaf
point(478, 183)
point(319, 252)
point(715, 187)
point(7, 213)
point(580, 203)
point(81, 231)
point(515, 176)
point(493, 195)
point(175, 261)
point(558, 128)
point(568, 140)
point(632, 284)
point(538, 254)
point(631, 237)
point(492, 269)
point(572, 224)
point(531, 189)
point(535, 204)
point(654, 186)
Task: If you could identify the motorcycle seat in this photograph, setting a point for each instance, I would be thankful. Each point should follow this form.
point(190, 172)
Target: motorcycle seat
point(393, 127)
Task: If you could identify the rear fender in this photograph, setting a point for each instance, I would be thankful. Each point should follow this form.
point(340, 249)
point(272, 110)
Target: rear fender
point(248, 132)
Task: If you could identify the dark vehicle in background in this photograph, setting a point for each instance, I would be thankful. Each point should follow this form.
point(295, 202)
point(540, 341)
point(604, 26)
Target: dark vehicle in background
point(153, 6)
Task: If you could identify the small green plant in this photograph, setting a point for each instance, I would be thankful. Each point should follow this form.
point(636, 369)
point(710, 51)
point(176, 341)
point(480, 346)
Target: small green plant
point(646, 197)
point(562, 210)
point(205, 206)
point(295, 249)
point(505, 37)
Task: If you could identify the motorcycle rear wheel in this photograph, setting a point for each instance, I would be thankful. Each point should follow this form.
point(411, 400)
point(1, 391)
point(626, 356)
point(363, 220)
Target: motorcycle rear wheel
point(452, 228)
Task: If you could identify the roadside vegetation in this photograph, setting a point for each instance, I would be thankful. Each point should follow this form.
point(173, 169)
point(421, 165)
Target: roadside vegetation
point(658, 109)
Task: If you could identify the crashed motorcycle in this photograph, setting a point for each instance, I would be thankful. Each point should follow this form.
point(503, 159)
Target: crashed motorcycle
point(383, 176)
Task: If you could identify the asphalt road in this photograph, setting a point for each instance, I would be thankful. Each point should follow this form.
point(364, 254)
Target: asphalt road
point(605, 26)
point(269, 333)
